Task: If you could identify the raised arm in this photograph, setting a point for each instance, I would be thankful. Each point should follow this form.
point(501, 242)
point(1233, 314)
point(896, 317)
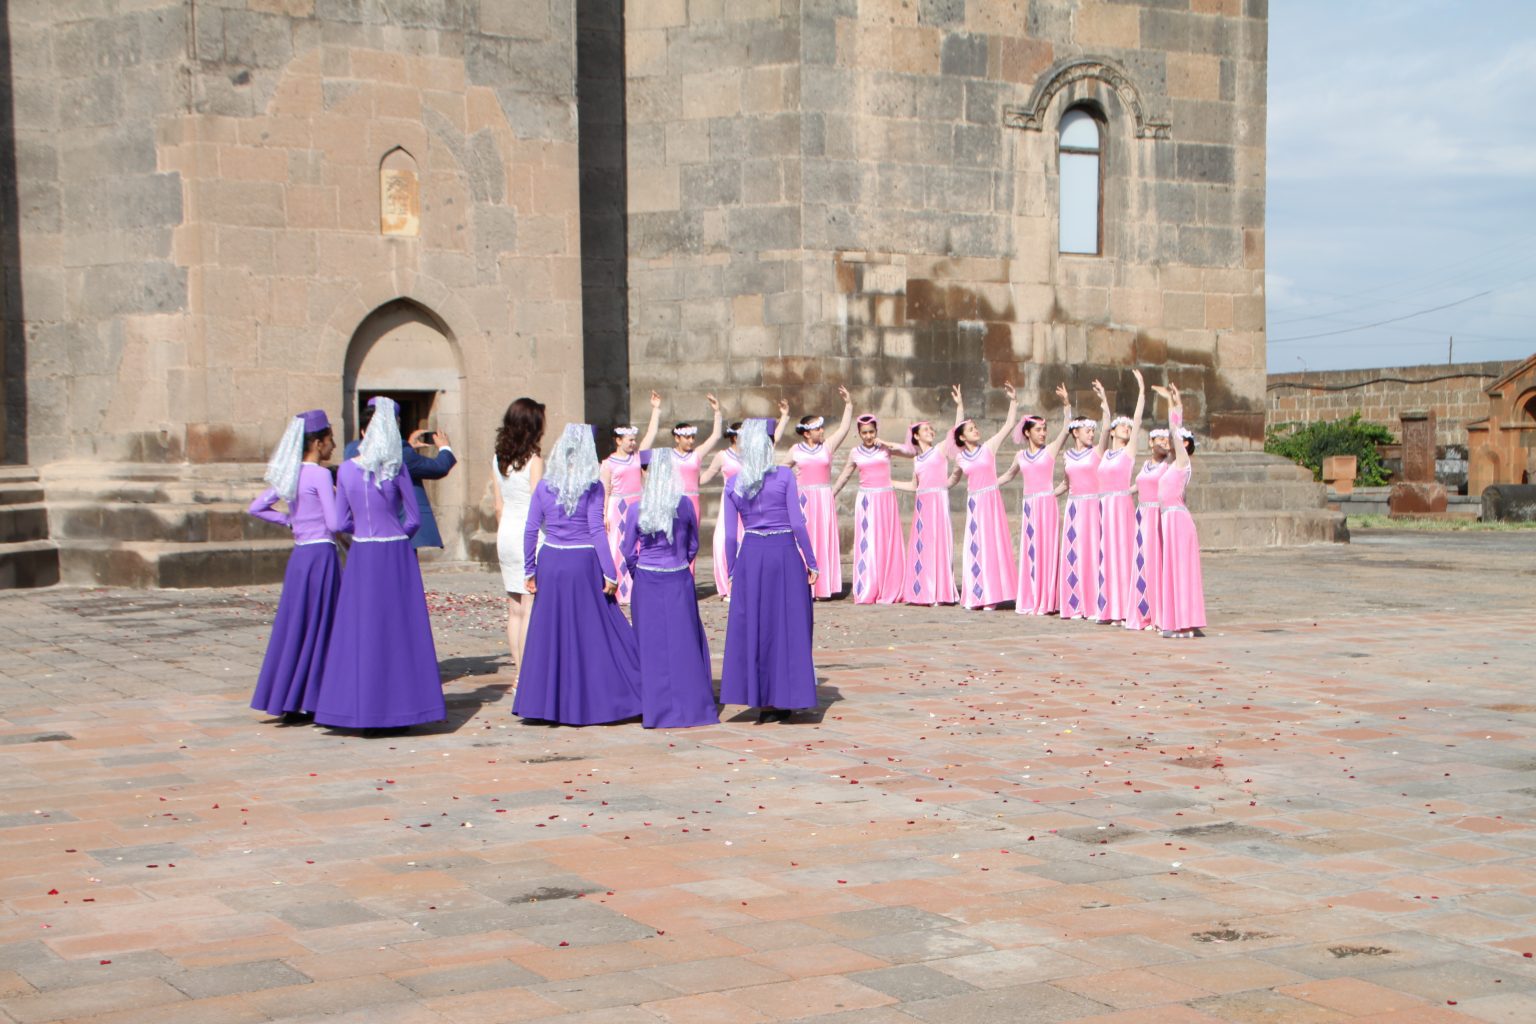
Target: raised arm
point(1134, 444)
point(1103, 433)
point(712, 470)
point(995, 442)
point(836, 440)
point(947, 442)
point(715, 433)
point(1175, 424)
point(650, 428)
point(1054, 448)
point(783, 424)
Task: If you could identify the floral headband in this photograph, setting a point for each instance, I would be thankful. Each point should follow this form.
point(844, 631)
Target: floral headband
point(1119, 420)
point(1160, 432)
point(815, 424)
point(1080, 423)
point(625, 431)
point(688, 431)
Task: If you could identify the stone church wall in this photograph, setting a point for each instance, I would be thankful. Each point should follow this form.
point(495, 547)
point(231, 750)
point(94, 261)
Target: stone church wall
point(201, 229)
point(864, 191)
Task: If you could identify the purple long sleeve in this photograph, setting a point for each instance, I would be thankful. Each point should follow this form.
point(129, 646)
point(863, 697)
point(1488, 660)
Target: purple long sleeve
point(536, 508)
point(407, 491)
point(654, 550)
point(774, 508)
point(582, 528)
point(797, 523)
point(264, 508)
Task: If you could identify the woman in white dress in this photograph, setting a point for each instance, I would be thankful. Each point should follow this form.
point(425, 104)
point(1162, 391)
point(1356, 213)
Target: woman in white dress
point(518, 467)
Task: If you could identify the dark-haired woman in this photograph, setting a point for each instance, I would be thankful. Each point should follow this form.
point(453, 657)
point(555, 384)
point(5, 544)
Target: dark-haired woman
point(1181, 590)
point(1117, 512)
point(621, 485)
point(290, 677)
point(725, 465)
point(929, 575)
point(1039, 518)
point(1078, 571)
point(518, 468)
point(812, 462)
point(990, 575)
point(877, 541)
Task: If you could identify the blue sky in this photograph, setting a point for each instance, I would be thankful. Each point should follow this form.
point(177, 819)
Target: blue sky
point(1402, 177)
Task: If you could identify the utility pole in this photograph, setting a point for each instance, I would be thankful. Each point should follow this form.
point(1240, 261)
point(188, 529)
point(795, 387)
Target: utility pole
point(1450, 350)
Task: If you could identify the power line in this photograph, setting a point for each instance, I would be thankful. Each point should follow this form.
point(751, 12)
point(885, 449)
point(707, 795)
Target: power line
point(1381, 323)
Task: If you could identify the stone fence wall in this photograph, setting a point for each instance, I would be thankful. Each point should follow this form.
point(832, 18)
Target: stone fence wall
point(1454, 392)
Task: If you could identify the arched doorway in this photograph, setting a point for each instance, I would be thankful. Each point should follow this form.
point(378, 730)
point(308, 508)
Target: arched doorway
point(405, 351)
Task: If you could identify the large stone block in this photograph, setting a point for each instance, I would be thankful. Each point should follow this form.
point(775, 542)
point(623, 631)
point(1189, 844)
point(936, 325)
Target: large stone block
point(764, 228)
point(964, 55)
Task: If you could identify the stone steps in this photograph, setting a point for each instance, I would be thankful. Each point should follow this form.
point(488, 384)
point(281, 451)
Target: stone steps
point(219, 522)
point(179, 565)
point(28, 557)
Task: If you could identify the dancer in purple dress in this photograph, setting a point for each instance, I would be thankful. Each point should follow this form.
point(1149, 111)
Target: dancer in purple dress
point(580, 666)
point(725, 465)
point(289, 683)
point(381, 669)
point(661, 538)
point(768, 661)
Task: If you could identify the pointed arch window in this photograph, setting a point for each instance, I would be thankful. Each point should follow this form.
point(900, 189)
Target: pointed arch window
point(1080, 174)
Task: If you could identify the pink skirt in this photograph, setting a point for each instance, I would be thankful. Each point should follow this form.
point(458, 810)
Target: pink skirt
point(1039, 550)
point(821, 522)
point(990, 574)
point(1079, 569)
point(930, 568)
point(618, 504)
point(1144, 581)
point(877, 553)
point(722, 581)
point(1117, 535)
point(1181, 590)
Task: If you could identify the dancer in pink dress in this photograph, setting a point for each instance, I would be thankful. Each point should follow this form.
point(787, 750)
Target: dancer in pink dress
point(688, 455)
point(877, 541)
point(1143, 612)
point(726, 464)
point(1078, 571)
point(812, 461)
point(621, 487)
point(929, 576)
point(1181, 590)
point(989, 574)
point(1117, 513)
point(1039, 518)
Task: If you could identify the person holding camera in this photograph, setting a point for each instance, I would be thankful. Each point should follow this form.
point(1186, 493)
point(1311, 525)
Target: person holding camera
point(420, 467)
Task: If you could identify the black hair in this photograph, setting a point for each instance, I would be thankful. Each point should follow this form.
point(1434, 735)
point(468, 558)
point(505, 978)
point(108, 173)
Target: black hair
point(1189, 445)
point(517, 440)
point(364, 418)
point(680, 426)
point(734, 430)
point(957, 432)
point(314, 437)
point(912, 434)
point(804, 424)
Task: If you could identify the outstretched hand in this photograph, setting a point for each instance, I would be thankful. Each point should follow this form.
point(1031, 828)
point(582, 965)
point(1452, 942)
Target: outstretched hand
point(714, 403)
point(954, 392)
point(655, 400)
point(1008, 390)
point(1061, 393)
point(783, 407)
point(531, 585)
point(843, 391)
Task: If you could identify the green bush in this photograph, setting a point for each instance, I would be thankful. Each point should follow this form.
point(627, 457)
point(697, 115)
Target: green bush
point(1308, 444)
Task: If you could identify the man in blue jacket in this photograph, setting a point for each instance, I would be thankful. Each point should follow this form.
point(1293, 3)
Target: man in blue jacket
point(421, 468)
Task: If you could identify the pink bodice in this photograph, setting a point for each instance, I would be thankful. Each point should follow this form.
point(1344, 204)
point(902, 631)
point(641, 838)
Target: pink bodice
point(980, 469)
point(814, 464)
point(1082, 471)
point(931, 470)
point(624, 476)
point(1171, 485)
point(730, 465)
point(1115, 469)
point(1037, 472)
point(1147, 479)
point(874, 466)
point(687, 470)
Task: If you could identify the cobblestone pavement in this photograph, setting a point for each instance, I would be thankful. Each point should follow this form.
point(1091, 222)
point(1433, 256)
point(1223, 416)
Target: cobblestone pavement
point(1321, 812)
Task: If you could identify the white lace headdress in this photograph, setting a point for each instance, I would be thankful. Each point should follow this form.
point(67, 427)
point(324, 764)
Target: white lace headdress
point(287, 459)
point(756, 458)
point(573, 467)
point(1114, 423)
point(1084, 421)
point(380, 452)
point(663, 490)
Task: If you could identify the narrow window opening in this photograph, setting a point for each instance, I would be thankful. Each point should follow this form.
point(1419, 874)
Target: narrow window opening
point(1080, 177)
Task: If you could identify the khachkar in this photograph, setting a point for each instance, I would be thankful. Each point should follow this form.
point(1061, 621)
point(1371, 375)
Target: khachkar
point(904, 196)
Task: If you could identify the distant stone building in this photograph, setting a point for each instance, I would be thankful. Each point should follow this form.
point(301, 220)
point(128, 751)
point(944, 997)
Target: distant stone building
point(216, 214)
point(902, 194)
point(1503, 440)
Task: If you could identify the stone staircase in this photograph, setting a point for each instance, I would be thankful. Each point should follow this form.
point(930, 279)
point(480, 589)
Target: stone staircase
point(1258, 500)
point(28, 557)
point(146, 525)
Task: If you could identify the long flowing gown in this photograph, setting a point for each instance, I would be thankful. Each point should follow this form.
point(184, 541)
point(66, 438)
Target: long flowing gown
point(1039, 528)
point(1117, 535)
point(814, 470)
point(624, 482)
point(581, 665)
point(292, 671)
point(930, 569)
point(990, 574)
point(1181, 590)
point(1079, 568)
point(768, 660)
point(381, 669)
point(730, 465)
point(877, 547)
point(1143, 610)
point(676, 684)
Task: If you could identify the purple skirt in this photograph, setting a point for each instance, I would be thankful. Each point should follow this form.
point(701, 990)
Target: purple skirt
point(676, 686)
point(768, 630)
point(291, 671)
point(580, 666)
point(381, 670)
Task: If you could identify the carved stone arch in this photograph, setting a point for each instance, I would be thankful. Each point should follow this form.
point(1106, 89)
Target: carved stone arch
point(1034, 115)
point(369, 294)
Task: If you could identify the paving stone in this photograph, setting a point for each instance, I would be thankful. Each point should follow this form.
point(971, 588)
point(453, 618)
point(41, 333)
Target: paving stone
point(477, 977)
point(236, 978)
point(912, 981)
point(1020, 1004)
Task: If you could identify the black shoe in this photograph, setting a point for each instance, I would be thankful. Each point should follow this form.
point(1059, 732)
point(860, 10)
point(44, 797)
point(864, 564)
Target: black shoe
point(298, 717)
